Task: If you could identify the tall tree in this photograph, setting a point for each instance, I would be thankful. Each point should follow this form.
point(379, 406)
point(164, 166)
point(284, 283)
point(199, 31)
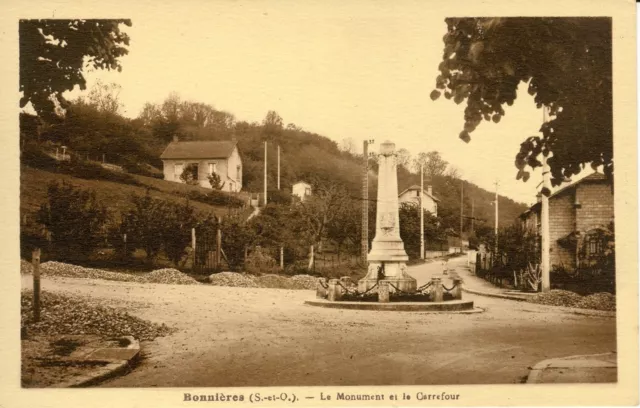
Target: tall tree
point(272, 124)
point(53, 54)
point(566, 63)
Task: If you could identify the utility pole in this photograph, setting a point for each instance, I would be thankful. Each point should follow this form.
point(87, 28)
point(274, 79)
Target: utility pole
point(544, 221)
point(421, 211)
point(461, 209)
point(265, 173)
point(496, 217)
point(472, 216)
point(364, 244)
point(278, 167)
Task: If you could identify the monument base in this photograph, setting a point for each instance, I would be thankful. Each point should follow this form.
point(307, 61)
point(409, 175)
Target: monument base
point(394, 272)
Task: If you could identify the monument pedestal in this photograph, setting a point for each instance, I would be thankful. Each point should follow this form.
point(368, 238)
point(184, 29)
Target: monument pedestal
point(394, 272)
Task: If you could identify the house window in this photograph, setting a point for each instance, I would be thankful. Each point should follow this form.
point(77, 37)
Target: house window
point(231, 186)
point(177, 170)
point(417, 193)
point(213, 168)
point(238, 171)
point(307, 191)
point(594, 247)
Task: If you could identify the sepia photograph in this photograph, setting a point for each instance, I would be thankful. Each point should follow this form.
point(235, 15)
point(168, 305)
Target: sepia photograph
point(242, 200)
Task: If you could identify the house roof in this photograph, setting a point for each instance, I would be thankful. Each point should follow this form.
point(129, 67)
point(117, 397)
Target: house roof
point(199, 150)
point(417, 188)
point(593, 177)
point(302, 182)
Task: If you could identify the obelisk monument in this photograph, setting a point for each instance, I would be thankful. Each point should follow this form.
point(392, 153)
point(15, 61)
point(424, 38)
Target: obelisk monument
point(387, 258)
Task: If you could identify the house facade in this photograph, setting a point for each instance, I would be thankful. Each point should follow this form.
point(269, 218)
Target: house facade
point(412, 195)
point(301, 190)
point(219, 157)
point(576, 211)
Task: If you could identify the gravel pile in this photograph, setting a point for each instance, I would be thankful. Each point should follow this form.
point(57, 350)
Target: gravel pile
point(65, 315)
point(275, 282)
point(170, 276)
point(305, 281)
point(598, 301)
point(53, 268)
point(556, 297)
point(166, 275)
point(241, 280)
point(233, 279)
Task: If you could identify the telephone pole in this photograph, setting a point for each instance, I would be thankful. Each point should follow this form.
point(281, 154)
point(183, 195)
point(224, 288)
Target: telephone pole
point(461, 209)
point(278, 167)
point(364, 244)
point(544, 219)
point(496, 216)
point(265, 173)
point(421, 211)
point(472, 217)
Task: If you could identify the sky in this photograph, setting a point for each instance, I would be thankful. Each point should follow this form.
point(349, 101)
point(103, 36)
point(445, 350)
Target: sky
point(360, 73)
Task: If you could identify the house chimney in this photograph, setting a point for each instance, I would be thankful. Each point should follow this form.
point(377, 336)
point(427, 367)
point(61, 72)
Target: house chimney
point(430, 190)
point(175, 138)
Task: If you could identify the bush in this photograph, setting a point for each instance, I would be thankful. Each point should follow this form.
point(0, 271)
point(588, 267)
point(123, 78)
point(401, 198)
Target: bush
point(217, 198)
point(235, 238)
point(75, 220)
point(259, 262)
point(153, 224)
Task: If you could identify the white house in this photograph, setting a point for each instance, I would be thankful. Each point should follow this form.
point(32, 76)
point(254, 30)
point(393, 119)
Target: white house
point(301, 190)
point(220, 157)
point(412, 195)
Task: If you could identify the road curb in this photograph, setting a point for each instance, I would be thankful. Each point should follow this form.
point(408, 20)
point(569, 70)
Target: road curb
point(573, 310)
point(566, 362)
point(113, 368)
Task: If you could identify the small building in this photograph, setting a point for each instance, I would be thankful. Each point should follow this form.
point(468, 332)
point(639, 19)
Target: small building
point(301, 190)
point(576, 212)
point(412, 195)
point(219, 157)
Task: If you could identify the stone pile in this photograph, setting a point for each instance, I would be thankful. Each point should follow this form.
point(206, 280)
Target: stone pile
point(241, 280)
point(53, 268)
point(233, 279)
point(557, 297)
point(66, 315)
point(170, 276)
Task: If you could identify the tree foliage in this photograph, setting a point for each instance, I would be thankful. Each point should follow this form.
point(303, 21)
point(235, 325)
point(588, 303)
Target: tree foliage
point(53, 54)
point(75, 219)
point(566, 63)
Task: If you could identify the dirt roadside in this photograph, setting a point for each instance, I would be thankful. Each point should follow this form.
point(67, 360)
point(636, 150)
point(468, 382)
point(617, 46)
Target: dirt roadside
point(268, 337)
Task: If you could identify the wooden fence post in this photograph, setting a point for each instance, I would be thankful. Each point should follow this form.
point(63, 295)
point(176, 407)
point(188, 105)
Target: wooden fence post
point(193, 248)
point(218, 247)
point(35, 260)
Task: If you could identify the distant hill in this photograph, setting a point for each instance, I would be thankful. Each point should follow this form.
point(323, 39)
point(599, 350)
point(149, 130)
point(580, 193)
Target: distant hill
point(137, 144)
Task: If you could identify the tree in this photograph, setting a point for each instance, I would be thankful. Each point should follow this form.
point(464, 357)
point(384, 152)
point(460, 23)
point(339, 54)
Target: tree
point(75, 219)
point(53, 54)
point(190, 174)
point(348, 145)
point(404, 158)
point(272, 124)
point(485, 59)
point(215, 181)
point(434, 164)
point(104, 98)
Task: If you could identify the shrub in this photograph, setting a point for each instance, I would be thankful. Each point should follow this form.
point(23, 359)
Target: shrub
point(93, 171)
point(75, 219)
point(236, 236)
point(153, 224)
point(217, 198)
point(259, 262)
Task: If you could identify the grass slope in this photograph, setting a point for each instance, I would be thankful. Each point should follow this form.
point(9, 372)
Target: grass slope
point(116, 196)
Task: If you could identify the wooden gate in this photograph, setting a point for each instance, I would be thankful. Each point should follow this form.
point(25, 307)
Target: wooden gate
point(206, 257)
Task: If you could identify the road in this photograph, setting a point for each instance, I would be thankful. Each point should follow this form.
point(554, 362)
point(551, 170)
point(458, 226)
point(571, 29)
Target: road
point(268, 337)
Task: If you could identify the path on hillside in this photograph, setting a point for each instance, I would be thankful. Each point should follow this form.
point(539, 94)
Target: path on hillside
point(268, 337)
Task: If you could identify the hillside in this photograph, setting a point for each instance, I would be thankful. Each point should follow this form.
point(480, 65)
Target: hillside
point(116, 196)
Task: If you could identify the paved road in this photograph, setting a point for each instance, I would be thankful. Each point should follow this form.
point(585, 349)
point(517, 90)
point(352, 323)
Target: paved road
point(267, 337)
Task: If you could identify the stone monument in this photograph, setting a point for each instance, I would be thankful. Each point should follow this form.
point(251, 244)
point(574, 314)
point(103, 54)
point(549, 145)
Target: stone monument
point(387, 258)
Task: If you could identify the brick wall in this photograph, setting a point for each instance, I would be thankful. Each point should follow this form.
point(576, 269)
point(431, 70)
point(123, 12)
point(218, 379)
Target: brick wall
point(561, 223)
point(596, 206)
